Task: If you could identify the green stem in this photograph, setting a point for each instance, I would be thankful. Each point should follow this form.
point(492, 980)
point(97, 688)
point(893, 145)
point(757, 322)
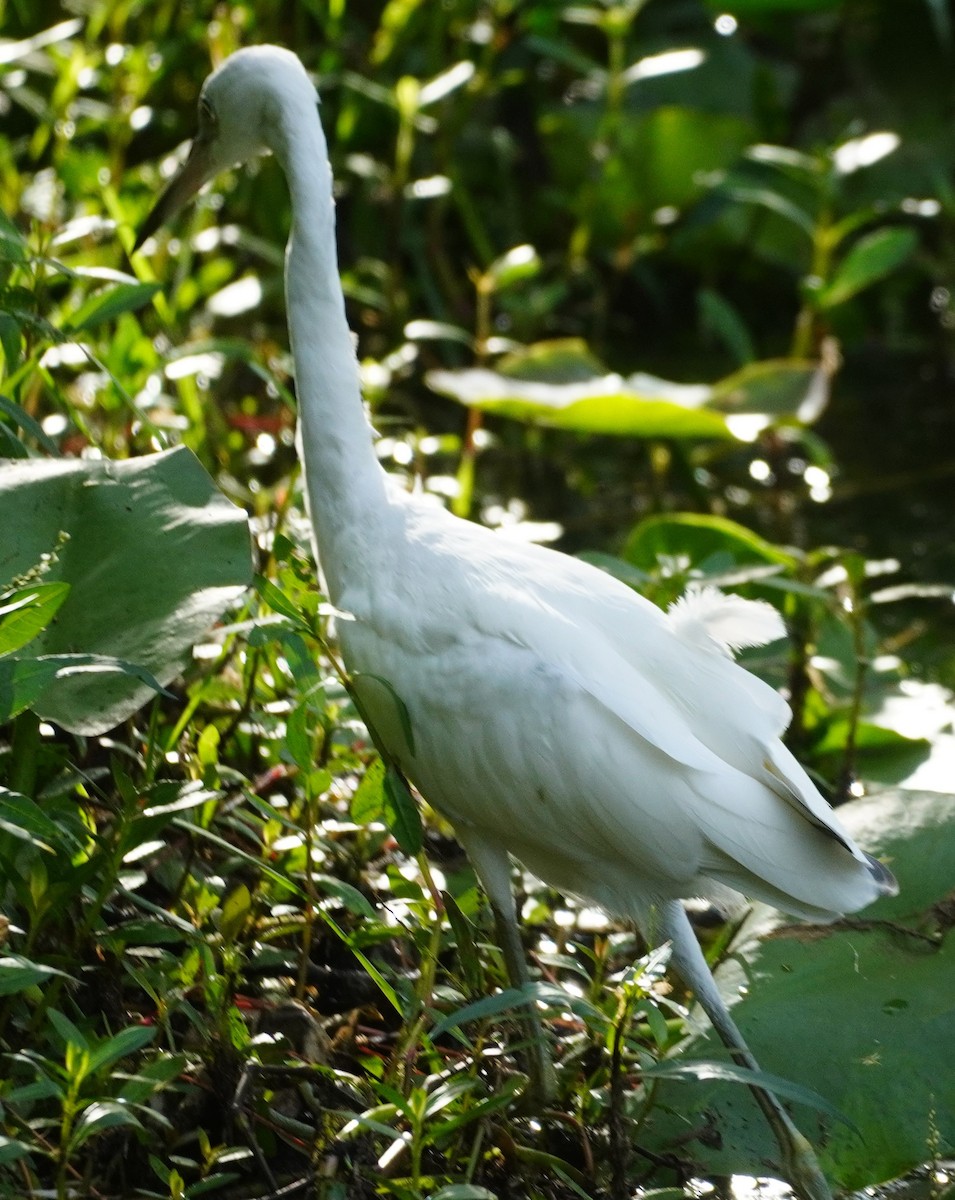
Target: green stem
point(24, 753)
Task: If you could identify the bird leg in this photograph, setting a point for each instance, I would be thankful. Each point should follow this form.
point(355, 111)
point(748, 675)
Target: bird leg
point(492, 864)
point(540, 1067)
point(798, 1163)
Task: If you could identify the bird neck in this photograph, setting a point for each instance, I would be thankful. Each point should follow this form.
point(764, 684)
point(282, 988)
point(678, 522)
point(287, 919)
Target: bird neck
point(343, 479)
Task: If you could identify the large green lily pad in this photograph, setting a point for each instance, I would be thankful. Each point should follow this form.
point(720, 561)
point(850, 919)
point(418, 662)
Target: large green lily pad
point(862, 1012)
point(153, 554)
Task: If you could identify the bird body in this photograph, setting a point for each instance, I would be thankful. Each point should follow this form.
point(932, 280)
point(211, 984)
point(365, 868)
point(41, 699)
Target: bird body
point(627, 760)
point(548, 711)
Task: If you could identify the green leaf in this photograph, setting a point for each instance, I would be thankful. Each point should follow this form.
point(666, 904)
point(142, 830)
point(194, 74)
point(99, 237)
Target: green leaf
point(697, 537)
point(386, 989)
point(11, 1150)
point(398, 705)
point(40, 683)
point(22, 818)
point(401, 813)
point(515, 999)
point(769, 198)
point(25, 422)
point(17, 974)
point(722, 319)
point(276, 599)
point(464, 940)
point(644, 407)
point(298, 739)
point(13, 245)
point(27, 611)
point(556, 384)
point(350, 896)
point(516, 265)
point(39, 1089)
point(862, 1012)
point(152, 1077)
point(700, 1070)
point(463, 1191)
point(100, 1116)
point(870, 259)
point(153, 556)
point(126, 1042)
point(235, 912)
point(368, 802)
point(111, 303)
point(66, 1029)
point(422, 330)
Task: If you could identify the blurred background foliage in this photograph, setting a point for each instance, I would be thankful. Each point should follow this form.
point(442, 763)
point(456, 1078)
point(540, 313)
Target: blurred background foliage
point(687, 266)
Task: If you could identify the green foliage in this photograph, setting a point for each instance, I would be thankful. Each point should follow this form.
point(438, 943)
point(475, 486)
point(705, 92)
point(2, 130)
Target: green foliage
point(138, 559)
point(889, 975)
point(235, 954)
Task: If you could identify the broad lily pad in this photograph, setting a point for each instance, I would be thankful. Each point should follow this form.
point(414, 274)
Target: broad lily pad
point(560, 384)
point(153, 554)
point(862, 1012)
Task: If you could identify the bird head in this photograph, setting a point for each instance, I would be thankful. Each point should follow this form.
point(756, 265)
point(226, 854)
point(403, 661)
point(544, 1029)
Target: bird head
point(243, 111)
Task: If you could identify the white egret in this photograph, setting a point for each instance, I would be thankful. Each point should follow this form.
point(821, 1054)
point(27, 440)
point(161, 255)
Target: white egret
point(617, 751)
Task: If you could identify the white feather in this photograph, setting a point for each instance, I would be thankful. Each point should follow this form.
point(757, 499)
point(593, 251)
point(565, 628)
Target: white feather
point(705, 616)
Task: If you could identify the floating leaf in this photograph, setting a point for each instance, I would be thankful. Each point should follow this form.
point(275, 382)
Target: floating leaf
point(862, 1012)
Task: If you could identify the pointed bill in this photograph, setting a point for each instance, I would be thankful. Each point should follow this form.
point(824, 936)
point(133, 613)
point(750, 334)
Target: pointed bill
point(194, 172)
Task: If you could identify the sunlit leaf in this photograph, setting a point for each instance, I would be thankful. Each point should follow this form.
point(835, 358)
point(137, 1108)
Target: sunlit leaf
point(368, 802)
point(153, 555)
point(276, 599)
point(870, 259)
point(27, 611)
point(401, 813)
point(862, 1011)
point(100, 1116)
point(555, 384)
point(18, 973)
point(701, 1070)
point(108, 305)
point(463, 1191)
point(516, 265)
point(120, 1045)
point(235, 912)
point(697, 537)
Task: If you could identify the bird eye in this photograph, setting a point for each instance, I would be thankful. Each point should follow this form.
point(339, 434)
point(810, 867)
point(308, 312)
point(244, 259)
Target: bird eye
point(208, 121)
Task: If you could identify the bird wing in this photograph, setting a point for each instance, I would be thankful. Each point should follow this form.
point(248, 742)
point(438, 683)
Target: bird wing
point(556, 712)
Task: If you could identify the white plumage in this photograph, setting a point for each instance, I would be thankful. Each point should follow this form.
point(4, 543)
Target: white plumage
point(616, 750)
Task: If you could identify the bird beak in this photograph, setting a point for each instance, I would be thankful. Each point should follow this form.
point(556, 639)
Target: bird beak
point(198, 168)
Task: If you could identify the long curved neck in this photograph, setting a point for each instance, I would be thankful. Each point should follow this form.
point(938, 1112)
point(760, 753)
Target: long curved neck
point(344, 482)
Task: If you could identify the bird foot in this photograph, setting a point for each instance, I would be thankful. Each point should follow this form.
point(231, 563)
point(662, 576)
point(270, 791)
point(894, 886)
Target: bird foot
point(802, 1170)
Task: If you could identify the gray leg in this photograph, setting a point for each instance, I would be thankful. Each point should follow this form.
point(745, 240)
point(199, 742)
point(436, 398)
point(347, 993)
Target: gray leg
point(798, 1159)
point(493, 868)
point(543, 1083)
